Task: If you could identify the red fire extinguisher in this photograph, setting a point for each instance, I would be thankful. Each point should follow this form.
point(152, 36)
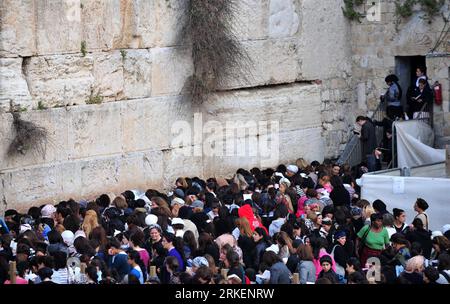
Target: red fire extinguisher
point(437, 87)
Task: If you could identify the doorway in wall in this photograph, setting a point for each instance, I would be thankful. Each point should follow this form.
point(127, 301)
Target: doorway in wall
point(405, 69)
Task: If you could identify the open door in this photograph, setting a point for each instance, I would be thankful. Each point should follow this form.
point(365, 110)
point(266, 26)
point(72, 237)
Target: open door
point(405, 69)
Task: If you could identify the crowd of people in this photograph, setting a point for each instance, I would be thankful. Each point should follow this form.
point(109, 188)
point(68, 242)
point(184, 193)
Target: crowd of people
point(302, 223)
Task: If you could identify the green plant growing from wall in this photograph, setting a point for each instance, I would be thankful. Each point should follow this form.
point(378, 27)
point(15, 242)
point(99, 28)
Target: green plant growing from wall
point(83, 48)
point(123, 53)
point(41, 106)
point(94, 99)
point(430, 8)
point(28, 136)
point(216, 51)
point(349, 9)
point(403, 9)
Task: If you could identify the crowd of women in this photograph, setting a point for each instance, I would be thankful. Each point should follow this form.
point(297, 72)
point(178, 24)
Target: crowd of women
point(301, 223)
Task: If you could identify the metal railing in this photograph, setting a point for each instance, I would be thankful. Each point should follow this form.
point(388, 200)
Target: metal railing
point(352, 152)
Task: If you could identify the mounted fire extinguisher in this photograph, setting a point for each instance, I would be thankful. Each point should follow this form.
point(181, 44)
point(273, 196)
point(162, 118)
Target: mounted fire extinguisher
point(437, 87)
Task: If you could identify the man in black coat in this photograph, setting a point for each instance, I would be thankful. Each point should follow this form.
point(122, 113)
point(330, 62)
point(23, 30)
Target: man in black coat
point(367, 136)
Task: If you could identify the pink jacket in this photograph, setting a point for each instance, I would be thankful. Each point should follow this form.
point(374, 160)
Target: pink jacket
point(300, 204)
point(323, 252)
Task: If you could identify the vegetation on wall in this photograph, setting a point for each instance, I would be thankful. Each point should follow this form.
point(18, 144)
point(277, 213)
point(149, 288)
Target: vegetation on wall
point(216, 51)
point(28, 136)
point(403, 8)
point(83, 49)
point(430, 8)
point(349, 9)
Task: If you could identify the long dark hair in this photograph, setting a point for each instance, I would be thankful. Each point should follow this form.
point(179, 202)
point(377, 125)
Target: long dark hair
point(134, 255)
point(263, 233)
point(393, 78)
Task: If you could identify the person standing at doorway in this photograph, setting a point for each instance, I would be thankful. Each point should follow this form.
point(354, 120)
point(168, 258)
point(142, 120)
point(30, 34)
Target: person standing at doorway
point(367, 136)
point(393, 97)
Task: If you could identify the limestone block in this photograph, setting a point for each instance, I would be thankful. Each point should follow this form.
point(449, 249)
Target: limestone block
point(54, 121)
point(34, 185)
point(325, 35)
point(108, 75)
point(17, 33)
point(99, 175)
point(362, 97)
point(145, 124)
point(60, 79)
point(171, 67)
point(284, 21)
point(130, 172)
point(71, 181)
point(181, 162)
point(98, 23)
point(13, 86)
point(94, 130)
point(293, 106)
point(153, 169)
point(137, 73)
point(58, 26)
point(413, 37)
point(252, 19)
point(166, 29)
point(271, 62)
point(303, 141)
point(227, 164)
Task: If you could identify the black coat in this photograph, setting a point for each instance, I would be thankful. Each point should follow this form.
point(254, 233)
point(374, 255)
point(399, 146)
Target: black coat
point(248, 250)
point(200, 220)
point(423, 237)
point(368, 138)
point(340, 196)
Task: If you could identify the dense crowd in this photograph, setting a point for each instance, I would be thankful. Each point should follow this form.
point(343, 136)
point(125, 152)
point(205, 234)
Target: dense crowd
point(301, 223)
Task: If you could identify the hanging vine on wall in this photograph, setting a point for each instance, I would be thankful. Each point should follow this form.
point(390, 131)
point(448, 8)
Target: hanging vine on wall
point(431, 8)
point(28, 137)
point(216, 51)
point(349, 9)
point(403, 8)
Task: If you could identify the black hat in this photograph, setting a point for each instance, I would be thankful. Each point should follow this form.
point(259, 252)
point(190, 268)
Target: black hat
point(327, 259)
point(11, 212)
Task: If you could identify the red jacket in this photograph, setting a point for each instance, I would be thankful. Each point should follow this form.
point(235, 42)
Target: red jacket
point(247, 212)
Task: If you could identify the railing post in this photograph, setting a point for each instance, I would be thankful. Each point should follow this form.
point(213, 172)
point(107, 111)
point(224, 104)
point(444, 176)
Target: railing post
point(12, 272)
point(224, 273)
point(296, 278)
point(152, 271)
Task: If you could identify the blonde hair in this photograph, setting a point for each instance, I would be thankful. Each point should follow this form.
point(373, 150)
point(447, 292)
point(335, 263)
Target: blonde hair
point(244, 226)
point(240, 181)
point(368, 211)
point(183, 182)
point(160, 202)
point(301, 163)
point(120, 202)
point(311, 215)
point(415, 264)
point(60, 228)
point(90, 222)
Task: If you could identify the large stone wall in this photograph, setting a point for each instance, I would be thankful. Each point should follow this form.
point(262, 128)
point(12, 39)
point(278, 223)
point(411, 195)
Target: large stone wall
point(375, 44)
point(137, 64)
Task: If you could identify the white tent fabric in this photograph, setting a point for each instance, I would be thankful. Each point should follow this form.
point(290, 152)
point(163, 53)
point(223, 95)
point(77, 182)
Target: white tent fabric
point(414, 144)
point(402, 192)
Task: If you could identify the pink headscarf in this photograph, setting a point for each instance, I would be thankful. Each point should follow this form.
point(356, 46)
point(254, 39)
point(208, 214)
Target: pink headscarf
point(300, 205)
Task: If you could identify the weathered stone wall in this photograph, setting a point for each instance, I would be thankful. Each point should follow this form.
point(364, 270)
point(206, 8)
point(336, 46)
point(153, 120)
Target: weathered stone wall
point(375, 44)
point(137, 64)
